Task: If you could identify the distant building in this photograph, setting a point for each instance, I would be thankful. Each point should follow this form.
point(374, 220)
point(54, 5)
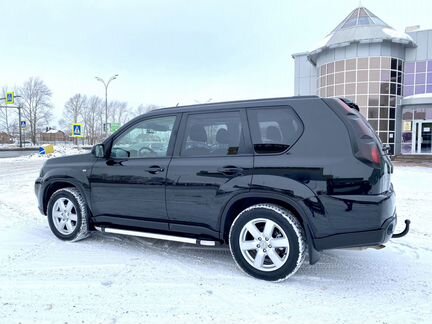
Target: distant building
point(388, 73)
point(5, 138)
point(54, 136)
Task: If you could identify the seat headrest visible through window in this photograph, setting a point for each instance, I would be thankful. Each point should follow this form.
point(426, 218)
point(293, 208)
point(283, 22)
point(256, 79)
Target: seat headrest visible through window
point(197, 133)
point(223, 136)
point(273, 134)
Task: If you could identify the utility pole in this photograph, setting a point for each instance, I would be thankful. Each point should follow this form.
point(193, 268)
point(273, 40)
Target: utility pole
point(106, 84)
point(19, 117)
point(19, 123)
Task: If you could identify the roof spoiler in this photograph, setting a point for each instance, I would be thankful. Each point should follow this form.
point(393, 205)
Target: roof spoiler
point(350, 103)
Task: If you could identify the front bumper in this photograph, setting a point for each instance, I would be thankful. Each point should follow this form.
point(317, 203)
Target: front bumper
point(37, 188)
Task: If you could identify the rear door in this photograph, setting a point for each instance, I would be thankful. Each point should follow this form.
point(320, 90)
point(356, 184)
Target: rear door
point(212, 163)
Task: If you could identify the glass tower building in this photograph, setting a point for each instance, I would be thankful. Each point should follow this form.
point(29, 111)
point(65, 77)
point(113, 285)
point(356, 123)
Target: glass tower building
point(386, 72)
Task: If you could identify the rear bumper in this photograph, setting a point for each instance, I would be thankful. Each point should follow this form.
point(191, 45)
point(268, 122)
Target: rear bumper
point(358, 220)
point(357, 239)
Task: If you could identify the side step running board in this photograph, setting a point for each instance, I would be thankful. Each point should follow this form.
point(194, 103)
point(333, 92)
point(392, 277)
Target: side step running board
point(156, 236)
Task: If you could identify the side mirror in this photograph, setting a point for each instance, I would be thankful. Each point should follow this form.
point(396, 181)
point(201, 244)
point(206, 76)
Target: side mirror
point(99, 150)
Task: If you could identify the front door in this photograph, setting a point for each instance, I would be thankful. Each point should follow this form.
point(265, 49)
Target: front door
point(128, 187)
point(212, 163)
point(422, 137)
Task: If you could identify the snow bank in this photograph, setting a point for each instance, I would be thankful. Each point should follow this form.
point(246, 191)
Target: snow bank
point(59, 150)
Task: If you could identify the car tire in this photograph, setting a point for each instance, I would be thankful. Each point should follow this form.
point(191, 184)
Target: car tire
point(267, 242)
point(67, 215)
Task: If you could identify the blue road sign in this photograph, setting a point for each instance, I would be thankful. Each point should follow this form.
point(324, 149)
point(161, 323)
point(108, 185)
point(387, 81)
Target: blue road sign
point(77, 130)
point(23, 124)
point(10, 98)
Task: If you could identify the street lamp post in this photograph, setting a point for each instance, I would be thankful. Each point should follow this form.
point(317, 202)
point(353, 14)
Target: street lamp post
point(106, 84)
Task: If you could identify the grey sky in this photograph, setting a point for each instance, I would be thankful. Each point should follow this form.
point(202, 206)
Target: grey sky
point(173, 51)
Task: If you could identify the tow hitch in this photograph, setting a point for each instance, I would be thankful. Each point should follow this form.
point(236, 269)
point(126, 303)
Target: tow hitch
point(405, 231)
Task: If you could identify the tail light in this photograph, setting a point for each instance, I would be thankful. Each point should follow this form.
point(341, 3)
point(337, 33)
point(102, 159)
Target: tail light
point(365, 142)
point(376, 156)
point(369, 153)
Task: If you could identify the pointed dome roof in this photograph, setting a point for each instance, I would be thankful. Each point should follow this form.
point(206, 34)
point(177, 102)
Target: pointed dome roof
point(360, 17)
point(362, 26)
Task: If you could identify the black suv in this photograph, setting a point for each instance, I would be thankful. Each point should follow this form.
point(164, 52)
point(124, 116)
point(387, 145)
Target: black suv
point(273, 178)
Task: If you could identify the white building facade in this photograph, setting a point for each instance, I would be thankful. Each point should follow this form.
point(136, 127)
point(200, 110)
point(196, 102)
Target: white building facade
point(386, 72)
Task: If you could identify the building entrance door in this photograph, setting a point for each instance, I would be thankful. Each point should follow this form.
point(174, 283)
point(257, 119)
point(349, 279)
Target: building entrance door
point(422, 137)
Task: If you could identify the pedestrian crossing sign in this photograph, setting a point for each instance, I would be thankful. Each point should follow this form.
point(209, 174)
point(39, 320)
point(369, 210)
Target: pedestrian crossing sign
point(10, 98)
point(77, 130)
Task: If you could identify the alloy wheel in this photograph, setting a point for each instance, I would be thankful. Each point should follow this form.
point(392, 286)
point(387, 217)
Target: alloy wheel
point(264, 244)
point(64, 216)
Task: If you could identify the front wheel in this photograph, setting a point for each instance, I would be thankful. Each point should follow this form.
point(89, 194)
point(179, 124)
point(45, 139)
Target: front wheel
point(67, 215)
point(267, 242)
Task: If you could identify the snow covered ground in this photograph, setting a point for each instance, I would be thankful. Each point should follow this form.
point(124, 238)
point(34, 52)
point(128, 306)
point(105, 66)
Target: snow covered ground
point(117, 279)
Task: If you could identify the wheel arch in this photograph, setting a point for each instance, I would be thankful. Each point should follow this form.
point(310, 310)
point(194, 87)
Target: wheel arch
point(56, 184)
point(243, 201)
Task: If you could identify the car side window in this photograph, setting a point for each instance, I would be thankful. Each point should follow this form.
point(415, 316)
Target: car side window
point(274, 130)
point(149, 138)
point(213, 134)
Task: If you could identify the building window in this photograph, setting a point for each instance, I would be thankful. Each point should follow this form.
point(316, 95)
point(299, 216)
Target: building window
point(417, 78)
point(374, 83)
point(416, 130)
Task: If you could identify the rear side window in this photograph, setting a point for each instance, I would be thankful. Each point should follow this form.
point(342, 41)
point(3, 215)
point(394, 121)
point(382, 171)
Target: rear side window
point(213, 134)
point(274, 130)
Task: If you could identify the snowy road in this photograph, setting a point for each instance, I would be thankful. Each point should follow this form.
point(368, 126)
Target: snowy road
point(10, 154)
point(114, 279)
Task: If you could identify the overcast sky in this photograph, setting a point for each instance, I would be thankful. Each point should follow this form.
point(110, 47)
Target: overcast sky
point(167, 52)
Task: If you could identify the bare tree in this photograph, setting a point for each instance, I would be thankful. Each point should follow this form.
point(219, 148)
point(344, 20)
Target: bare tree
point(142, 109)
point(118, 112)
point(36, 105)
point(72, 111)
point(92, 117)
point(73, 108)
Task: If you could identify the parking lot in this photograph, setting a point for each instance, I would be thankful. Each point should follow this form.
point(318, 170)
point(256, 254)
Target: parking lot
point(109, 278)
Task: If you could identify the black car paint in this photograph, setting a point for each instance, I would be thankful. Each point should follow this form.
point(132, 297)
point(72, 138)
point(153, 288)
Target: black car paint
point(340, 200)
point(199, 187)
point(73, 169)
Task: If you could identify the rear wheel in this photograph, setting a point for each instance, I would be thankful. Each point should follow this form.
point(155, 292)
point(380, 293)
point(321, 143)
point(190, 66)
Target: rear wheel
point(67, 215)
point(267, 242)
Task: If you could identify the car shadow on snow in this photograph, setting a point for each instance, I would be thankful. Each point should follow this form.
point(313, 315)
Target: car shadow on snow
point(364, 268)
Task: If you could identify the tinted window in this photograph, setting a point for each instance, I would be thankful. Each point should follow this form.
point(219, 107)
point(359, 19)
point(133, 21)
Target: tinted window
point(274, 130)
point(213, 134)
point(149, 138)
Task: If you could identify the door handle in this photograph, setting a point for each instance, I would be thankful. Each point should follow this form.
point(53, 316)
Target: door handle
point(230, 170)
point(154, 169)
point(112, 162)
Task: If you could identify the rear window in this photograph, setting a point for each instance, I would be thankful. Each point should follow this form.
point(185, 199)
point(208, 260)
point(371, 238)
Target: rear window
point(274, 130)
